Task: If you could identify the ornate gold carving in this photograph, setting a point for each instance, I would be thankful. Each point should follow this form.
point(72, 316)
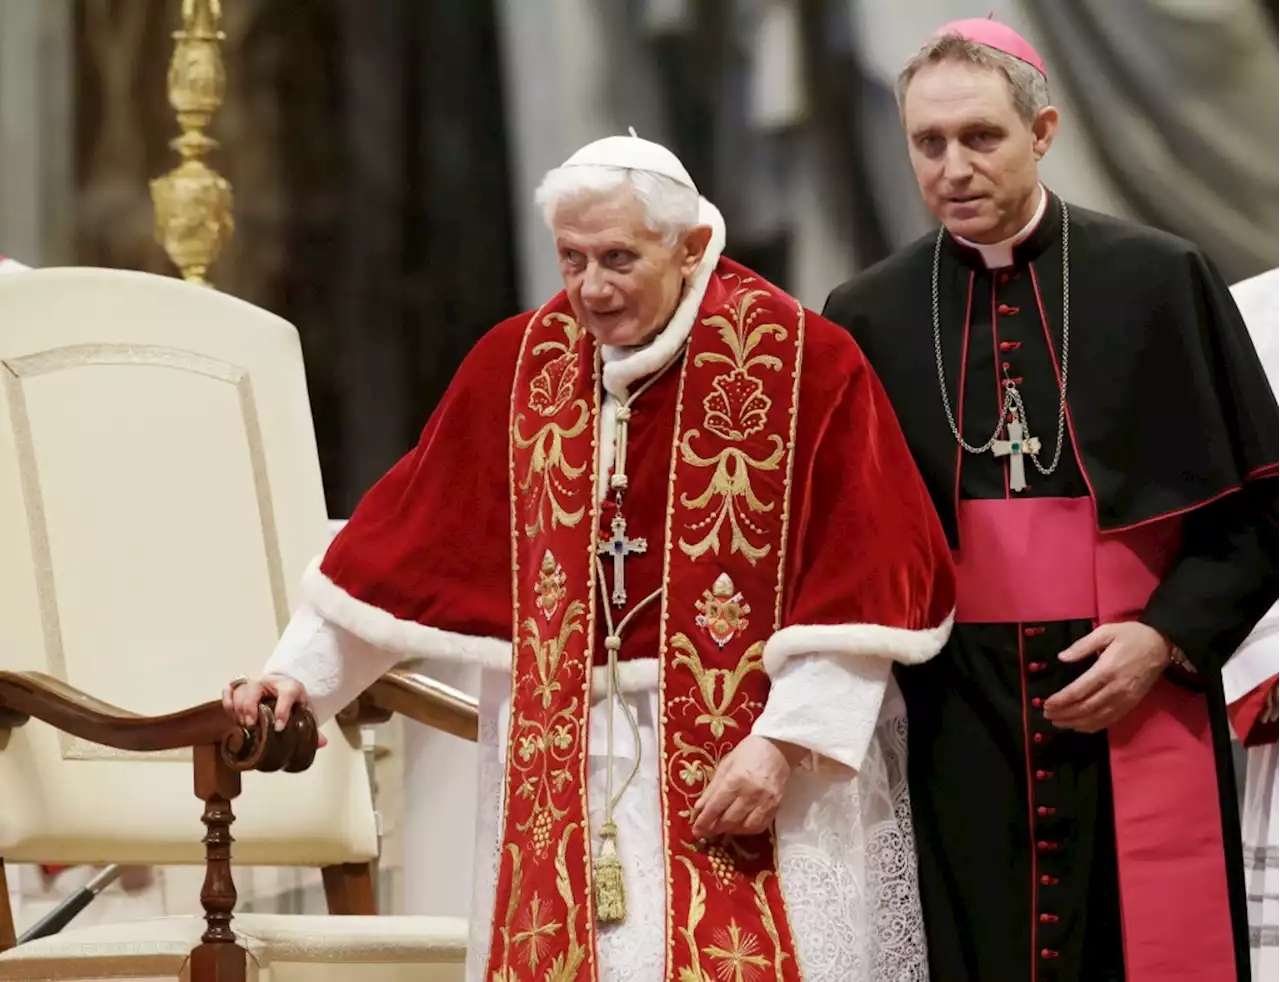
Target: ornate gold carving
point(716, 687)
point(549, 394)
point(735, 410)
point(551, 586)
point(193, 202)
point(722, 612)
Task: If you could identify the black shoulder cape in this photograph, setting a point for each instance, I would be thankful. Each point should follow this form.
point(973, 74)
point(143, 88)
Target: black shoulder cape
point(1169, 405)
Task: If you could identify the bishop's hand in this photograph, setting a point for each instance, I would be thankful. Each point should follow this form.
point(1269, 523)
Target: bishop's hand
point(241, 699)
point(747, 788)
point(1131, 657)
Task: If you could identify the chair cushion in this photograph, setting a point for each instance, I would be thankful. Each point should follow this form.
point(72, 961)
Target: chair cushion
point(359, 948)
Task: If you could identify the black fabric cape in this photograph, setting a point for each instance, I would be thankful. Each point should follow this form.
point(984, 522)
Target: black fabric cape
point(1169, 403)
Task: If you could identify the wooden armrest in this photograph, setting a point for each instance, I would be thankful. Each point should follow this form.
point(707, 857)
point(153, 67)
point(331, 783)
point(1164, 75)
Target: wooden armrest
point(221, 749)
point(417, 697)
point(33, 694)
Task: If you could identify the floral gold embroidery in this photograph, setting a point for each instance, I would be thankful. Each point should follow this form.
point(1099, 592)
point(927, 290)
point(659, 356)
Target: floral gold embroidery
point(551, 394)
point(736, 409)
point(552, 388)
point(717, 687)
point(551, 586)
point(722, 612)
point(548, 654)
point(565, 966)
point(767, 919)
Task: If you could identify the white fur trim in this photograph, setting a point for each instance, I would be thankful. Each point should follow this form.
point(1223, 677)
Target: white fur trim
point(894, 643)
point(624, 366)
point(8, 265)
point(607, 443)
point(407, 638)
point(634, 675)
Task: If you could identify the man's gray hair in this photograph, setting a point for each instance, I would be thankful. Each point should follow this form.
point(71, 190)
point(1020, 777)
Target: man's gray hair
point(670, 208)
point(1029, 89)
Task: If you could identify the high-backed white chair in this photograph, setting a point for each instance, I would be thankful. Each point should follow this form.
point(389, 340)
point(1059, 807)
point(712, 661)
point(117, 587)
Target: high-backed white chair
point(160, 496)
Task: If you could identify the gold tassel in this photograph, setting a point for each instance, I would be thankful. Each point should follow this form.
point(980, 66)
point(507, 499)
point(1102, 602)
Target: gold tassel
point(611, 894)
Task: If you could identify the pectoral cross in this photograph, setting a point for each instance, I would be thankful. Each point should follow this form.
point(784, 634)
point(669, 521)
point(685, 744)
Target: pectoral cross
point(620, 547)
point(1014, 448)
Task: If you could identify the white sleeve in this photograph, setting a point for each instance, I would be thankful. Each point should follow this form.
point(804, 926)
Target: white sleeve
point(1255, 660)
point(333, 665)
point(827, 703)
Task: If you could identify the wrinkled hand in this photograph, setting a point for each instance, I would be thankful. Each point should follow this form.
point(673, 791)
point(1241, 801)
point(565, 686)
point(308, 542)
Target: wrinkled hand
point(1131, 657)
point(1270, 711)
point(241, 702)
point(746, 790)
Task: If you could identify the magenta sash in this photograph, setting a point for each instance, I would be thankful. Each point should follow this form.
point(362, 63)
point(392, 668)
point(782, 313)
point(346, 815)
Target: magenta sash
point(1032, 560)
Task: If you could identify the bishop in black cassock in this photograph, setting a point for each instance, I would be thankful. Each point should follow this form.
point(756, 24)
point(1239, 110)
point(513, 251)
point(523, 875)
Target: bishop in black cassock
point(1046, 851)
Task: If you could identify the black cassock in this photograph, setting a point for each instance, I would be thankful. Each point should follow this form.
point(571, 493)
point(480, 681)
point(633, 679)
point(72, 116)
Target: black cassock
point(1037, 860)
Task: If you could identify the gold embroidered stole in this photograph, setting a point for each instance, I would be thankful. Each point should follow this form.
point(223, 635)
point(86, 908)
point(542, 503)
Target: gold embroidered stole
point(724, 551)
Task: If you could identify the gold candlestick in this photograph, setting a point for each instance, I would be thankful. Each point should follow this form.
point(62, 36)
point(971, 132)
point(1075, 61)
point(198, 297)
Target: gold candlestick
point(193, 202)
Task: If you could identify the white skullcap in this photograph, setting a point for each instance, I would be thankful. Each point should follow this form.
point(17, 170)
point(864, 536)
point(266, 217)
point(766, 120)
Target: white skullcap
point(632, 153)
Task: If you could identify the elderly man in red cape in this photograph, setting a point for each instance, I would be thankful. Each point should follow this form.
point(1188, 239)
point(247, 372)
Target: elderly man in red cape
point(673, 514)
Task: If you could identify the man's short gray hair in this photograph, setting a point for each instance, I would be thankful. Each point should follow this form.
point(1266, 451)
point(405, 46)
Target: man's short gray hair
point(1029, 89)
point(670, 208)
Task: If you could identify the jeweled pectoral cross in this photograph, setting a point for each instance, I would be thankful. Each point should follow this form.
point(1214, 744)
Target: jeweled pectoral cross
point(1014, 448)
point(620, 547)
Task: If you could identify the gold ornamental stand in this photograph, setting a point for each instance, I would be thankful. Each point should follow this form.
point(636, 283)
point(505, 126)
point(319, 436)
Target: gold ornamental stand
point(193, 202)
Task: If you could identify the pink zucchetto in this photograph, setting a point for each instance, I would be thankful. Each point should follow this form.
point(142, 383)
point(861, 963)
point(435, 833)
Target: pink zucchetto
point(991, 33)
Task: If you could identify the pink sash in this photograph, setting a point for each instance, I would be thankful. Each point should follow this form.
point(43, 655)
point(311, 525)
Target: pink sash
point(1030, 560)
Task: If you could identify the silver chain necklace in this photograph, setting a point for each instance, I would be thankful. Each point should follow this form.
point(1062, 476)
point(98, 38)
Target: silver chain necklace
point(1012, 397)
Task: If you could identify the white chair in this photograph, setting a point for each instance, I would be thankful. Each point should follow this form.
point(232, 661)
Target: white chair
point(160, 496)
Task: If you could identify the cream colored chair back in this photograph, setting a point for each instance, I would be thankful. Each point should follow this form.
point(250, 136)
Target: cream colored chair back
point(160, 496)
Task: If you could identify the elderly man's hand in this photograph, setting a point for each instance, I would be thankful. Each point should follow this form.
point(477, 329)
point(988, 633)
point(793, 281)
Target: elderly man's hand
point(746, 791)
point(1131, 657)
point(241, 701)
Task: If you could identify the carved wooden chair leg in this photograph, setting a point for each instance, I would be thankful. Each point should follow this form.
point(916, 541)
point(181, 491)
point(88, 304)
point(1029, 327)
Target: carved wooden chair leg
point(218, 958)
point(8, 930)
point(349, 888)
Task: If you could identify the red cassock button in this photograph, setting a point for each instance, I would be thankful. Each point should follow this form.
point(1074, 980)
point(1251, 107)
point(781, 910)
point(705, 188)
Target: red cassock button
point(1041, 775)
point(1037, 702)
point(1036, 666)
point(1038, 738)
point(1004, 310)
point(1048, 918)
point(1046, 846)
point(1044, 811)
point(1048, 954)
point(1049, 881)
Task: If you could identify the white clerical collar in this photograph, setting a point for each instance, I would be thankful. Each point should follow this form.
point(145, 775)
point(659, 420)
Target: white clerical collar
point(1000, 254)
point(622, 366)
